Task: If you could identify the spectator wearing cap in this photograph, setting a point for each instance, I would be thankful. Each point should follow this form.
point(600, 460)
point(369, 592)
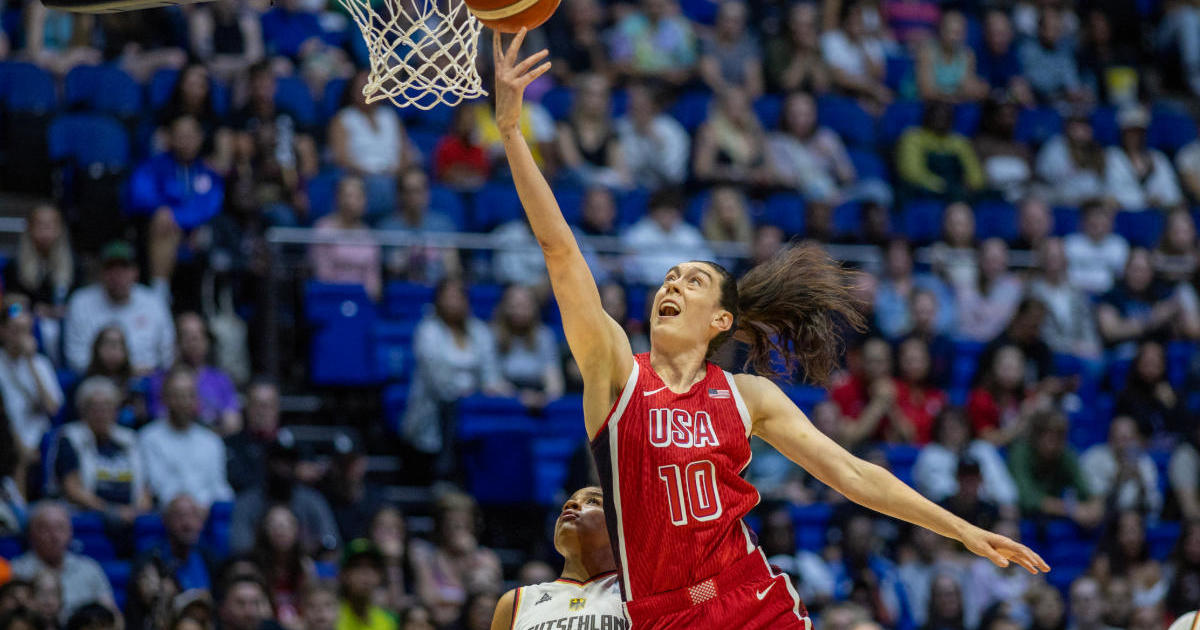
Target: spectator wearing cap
point(181, 455)
point(967, 501)
point(246, 450)
point(117, 299)
point(96, 463)
point(180, 556)
point(1072, 163)
point(1095, 255)
point(80, 579)
point(1136, 176)
point(361, 575)
point(219, 407)
point(353, 500)
point(948, 462)
point(28, 385)
point(318, 528)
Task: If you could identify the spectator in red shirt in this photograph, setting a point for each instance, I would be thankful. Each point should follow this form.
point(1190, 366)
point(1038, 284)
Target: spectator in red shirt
point(459, 160)
point(916, 398)
point(867, 399)
point(995, 406)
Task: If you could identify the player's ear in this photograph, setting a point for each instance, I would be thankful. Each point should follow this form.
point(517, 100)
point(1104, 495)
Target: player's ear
point(723, 320)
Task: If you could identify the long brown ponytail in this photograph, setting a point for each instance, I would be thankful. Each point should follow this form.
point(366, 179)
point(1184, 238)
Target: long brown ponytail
point(791, 307)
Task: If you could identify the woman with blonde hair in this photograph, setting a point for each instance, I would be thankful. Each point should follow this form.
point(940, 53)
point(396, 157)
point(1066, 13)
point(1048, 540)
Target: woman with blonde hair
point(44, 269)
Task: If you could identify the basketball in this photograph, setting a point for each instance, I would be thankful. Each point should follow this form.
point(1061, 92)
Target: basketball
point(508, 16)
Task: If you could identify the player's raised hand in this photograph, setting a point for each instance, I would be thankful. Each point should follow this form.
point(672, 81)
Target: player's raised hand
point(512, 77)
point(1001, 550)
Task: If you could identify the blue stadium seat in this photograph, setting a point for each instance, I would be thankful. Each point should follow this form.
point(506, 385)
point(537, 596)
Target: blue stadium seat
point(570, 202)
point(104, 88)
point(87, 141)
point(769, 109)
point(425, 141)
point(331, 100)
point(118, 574)
point(322, 192)
point(996, 219)
point(558, 101)
point(87, 523)
point(499, 466)
point(11, 547)
point(495, 204)
point(406, 300)
point(896, 118)
point(1179, 359)
point(564, 417)
point(966, 118)
point(27, 89)
point(1162, 537)
point(921, 220)
point(806, 397)
point(95, 546)
point(1035, 125)
point(450, 203)
point(393, 341)
point(484, 298)
point(551, 456)
point(868, 164)
point(694, 207)
point(148, 531)
point(965, 363)
point(340, 350)
point(631, 206)
point(848, 119)
point(700, 11)
point(1140, 228)
point(901, 70)
point(395, 401)
point(158, 90)
point(1104, 125)
point(1170, 129)
point(691, 109)
point(292, 96)
point(1066, 220)
point(786, 211)
point(847, 218)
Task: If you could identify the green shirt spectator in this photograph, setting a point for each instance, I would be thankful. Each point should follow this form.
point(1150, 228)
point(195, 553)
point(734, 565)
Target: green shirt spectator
point(1047, 473)
point(934, 161)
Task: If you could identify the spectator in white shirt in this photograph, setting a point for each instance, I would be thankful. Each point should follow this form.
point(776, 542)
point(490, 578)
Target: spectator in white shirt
point(660, 240)
point(1187, 161)
point(1136, 176)
point(181, 455)
point(1184, 474)
point(80, 579)
point(858, 60)
point(1095, 256)
point(935, 469)
point(1121, 470)
point(1070, 327)
point(28, 384)
point(140, 312)
point(1072, 163)
point(656, 146)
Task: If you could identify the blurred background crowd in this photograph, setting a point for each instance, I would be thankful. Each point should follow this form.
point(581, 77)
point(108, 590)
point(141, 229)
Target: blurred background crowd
point(273, 356)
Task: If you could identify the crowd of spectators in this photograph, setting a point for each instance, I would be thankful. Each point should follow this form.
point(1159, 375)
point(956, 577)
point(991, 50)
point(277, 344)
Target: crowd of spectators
point(1029, 363)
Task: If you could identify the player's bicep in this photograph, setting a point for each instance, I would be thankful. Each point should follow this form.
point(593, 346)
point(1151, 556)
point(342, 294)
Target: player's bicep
point(506, 611)
point(782, 424)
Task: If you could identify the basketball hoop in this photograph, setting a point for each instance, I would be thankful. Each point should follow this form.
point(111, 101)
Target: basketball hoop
point(422, 51)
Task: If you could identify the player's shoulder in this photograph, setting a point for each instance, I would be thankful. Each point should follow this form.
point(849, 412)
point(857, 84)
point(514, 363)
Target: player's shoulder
point(506, 610)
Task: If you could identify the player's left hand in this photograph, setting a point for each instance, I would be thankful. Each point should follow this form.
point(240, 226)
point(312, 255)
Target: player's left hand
point(1001, 550)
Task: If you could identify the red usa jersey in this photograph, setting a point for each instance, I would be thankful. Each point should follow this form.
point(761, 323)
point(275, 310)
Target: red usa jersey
point(670, 465)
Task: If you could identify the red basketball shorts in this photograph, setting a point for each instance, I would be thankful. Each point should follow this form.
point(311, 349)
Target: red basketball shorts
point(745, 596)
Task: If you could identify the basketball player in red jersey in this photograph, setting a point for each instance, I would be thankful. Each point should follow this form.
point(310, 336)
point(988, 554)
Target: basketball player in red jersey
point(670, 430)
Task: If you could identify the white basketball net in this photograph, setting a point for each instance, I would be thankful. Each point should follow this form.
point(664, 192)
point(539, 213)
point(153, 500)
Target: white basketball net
point(422, 51)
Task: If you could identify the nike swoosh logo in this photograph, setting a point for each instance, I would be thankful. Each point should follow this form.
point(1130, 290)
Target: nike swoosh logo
point(651, 393)
point(763, 593)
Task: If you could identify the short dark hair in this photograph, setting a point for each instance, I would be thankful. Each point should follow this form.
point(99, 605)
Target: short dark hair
point(92, 616)
point(25, 616)
point(665, 198)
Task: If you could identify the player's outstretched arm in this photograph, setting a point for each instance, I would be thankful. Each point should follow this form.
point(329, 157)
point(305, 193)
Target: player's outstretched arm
point(784, 426)
point(598, 343)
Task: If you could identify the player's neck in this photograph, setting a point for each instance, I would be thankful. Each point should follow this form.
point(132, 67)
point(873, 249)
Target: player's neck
point(586, 566)
point(679, 370)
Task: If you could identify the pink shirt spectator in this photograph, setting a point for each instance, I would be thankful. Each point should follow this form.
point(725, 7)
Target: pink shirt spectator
point(356, 261)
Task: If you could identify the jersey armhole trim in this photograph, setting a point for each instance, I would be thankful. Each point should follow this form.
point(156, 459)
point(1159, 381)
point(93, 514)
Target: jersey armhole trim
point(516, 607)
point(621, 402)
point(743, 411)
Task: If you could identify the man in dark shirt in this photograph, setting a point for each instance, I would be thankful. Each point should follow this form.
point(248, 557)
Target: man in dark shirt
point(966, 503)
point(1025, 332)
point(246, 450)
point(181, 555)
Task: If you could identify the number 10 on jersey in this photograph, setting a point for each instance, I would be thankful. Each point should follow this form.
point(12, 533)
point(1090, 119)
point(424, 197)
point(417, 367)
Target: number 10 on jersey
point(691, 492)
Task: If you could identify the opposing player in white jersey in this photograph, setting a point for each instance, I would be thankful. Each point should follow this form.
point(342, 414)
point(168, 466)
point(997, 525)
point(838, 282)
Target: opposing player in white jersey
point(587, 596)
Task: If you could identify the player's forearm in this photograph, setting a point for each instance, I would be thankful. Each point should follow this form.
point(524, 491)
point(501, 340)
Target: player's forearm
point(545, 218)
point(881, 491)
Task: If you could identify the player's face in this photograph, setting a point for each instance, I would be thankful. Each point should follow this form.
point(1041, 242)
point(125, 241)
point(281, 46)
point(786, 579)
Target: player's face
point(688, 305)
point(580, 525)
